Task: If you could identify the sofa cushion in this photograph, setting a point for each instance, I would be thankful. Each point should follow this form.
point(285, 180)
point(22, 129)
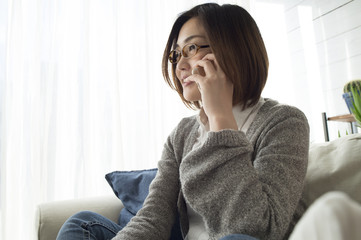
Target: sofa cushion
point(334, 166)
point(132, 187)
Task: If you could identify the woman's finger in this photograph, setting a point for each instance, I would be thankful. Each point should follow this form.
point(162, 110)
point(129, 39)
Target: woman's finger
point(210, 57)
point(197, 78)
point(199, 86)
point(208, 67)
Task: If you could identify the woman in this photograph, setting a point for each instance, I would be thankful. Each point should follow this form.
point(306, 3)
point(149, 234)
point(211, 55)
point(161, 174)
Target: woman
point(236, 169)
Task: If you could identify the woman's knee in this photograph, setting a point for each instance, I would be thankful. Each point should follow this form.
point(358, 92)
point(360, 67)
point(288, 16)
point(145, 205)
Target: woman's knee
point(88, 225)
point(75, 225)
point(83, 216)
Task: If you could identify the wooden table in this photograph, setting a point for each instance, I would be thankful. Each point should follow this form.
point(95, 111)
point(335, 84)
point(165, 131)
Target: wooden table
point(348, 118)
point(343, 118)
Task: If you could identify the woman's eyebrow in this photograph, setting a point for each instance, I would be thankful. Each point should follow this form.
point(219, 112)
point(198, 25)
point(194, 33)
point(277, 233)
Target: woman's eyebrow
point(190, 38)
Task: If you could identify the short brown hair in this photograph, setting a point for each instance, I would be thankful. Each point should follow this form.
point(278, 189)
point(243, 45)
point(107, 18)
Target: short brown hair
point(237, 44)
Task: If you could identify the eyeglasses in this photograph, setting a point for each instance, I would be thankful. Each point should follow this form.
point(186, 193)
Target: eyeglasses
point(189, 50)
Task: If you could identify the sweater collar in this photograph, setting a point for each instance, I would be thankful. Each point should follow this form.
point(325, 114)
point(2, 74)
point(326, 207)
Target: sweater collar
point(240, 115)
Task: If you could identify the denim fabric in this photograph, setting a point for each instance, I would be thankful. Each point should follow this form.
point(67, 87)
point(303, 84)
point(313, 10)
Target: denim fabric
point(88, 225)
point(238, 237)
point(92, 226)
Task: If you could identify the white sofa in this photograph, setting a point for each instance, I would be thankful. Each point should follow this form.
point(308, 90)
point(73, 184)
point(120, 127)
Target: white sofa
point(51, 216)
point(334, 165)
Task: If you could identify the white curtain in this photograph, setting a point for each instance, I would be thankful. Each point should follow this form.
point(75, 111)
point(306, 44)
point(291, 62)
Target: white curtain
point(81, 94)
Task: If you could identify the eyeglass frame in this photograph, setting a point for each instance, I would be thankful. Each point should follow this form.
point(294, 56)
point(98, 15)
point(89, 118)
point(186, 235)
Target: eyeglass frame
point(181, 53)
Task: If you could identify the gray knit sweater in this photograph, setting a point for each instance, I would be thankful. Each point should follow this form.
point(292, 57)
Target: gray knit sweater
point(239, 183)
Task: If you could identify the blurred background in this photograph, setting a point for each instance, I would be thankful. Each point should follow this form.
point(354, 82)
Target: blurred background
point(82, 93)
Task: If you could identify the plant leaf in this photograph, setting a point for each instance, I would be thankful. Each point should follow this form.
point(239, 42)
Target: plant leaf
point(356, 104)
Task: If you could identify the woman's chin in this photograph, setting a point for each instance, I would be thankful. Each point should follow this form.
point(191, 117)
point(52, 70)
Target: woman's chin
point(191, 93)
point(192, 97)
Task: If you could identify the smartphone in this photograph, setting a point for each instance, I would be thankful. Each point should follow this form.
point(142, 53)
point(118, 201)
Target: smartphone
point(198, 70)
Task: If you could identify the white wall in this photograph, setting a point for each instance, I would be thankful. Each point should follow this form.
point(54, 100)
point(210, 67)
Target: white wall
point(314, 48)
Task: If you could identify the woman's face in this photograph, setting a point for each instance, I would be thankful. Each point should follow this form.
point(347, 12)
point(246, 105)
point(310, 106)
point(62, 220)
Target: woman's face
point(191, 32)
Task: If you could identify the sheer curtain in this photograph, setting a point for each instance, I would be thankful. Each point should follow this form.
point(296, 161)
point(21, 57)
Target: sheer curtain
point(81, 94)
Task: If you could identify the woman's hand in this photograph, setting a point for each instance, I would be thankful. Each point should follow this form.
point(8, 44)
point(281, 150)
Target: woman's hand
point(216, 93)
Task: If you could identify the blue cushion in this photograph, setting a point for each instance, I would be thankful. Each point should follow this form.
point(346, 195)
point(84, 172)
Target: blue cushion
point(132, 187)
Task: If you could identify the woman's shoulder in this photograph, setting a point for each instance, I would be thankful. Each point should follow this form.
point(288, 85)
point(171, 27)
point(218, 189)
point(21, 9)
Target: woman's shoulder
point(277, 120)
point(187, 123)
point(185, 126)
point(273, 113)
point(274, 109)
point(183, 135)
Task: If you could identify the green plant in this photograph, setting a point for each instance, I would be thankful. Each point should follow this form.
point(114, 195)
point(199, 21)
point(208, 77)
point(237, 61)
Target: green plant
point(352, 84)
point(339, 134)
point(356, 102)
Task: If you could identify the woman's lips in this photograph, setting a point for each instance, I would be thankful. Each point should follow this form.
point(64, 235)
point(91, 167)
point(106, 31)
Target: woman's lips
point(184, 80)
point(187, 83)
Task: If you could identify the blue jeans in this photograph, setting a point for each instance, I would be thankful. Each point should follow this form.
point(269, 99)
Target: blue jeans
point(88, 225)
point(238, 237)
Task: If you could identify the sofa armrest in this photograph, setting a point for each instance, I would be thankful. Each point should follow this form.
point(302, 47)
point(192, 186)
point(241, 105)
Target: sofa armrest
point(51, 216)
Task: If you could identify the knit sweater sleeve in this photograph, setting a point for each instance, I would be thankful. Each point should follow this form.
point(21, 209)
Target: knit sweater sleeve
point(155, 219)
point(239, 187)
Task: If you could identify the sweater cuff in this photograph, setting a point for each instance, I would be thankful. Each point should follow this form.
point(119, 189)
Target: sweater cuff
point(227, 137)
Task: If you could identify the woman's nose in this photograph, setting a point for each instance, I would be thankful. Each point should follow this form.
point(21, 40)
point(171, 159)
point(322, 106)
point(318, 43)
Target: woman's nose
point(183, 64)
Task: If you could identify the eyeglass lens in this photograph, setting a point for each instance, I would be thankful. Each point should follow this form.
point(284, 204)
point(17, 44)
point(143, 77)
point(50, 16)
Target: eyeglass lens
point(174, 56)
point(188, 50)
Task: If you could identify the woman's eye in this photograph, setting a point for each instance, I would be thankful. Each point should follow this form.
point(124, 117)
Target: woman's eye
point(192, 48)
